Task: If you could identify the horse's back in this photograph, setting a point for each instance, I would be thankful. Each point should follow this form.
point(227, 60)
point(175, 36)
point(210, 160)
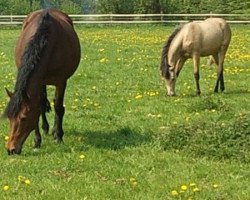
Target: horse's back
point(62, 54)
point(206, 37)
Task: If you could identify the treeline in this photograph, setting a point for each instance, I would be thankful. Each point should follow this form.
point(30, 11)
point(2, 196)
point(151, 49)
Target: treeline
point(8, 7)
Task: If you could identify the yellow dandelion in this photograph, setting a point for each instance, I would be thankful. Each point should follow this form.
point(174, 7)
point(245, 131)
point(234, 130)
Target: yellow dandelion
point(192, 184)
point(21, 178)
point(132, 179)
point(103, 60)
point(215, 185)
point(82, 156)
point(159, 115)
point(174, 193)
point(27, 182)
point(183, 187)
point(139, 96)
point(133, 182)
point(6, 138)
point(196, 189)
point(101, 50)
point(6, 187)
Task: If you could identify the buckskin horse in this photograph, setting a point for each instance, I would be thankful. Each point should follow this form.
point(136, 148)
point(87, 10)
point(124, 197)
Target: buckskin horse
point(47, 53)
point(194, 40)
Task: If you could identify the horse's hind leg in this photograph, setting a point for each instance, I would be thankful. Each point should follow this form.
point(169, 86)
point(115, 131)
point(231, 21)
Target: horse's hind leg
point(45, 108)
point(219, 60)
point(196, 63)
point(38, 138)
point(59, 112)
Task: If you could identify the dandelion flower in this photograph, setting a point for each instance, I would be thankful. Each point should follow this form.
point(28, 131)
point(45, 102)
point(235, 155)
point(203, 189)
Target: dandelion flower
point(102, 60)
point(139, 96)
point(82, 157)
point(192, 184)
point(196, 189)
point(133, 181)
point(21, 178)
point(215, 185)
point(6, 188)
point(174, 193)
point(183, 187)
point(27, 182)
point(6, 138)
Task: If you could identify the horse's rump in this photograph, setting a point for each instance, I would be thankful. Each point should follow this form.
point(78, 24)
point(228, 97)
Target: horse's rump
point(62, 50)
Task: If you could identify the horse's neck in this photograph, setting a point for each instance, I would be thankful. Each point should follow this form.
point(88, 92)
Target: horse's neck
point(174, 53)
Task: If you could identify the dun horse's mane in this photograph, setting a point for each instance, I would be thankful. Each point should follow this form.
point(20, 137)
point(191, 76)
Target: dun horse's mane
point(164, 66)
point(30, 59)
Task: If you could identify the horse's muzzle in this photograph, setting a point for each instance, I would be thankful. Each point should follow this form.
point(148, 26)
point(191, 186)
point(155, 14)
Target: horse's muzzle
point(13, 151)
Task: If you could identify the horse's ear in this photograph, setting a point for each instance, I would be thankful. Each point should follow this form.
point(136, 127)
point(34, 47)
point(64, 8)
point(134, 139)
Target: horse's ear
point(9, 93)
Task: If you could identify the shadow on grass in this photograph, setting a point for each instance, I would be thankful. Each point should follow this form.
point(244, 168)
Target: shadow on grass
point(114, 140)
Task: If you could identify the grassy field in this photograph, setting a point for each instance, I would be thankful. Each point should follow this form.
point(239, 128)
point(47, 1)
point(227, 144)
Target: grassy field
point(124, 139)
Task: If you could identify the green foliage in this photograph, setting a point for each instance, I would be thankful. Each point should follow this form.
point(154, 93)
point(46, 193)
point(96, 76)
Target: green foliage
point(221, 141)
point(126, 7)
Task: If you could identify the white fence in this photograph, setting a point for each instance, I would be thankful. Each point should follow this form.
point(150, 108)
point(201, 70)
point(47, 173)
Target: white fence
point(135, 18)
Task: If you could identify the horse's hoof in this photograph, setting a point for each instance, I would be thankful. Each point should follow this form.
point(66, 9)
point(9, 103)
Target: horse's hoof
point(45, 128)
point(198, 94)
point(37, 145)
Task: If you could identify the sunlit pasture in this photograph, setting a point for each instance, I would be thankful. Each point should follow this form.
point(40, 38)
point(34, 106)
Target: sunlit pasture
point(124, 139)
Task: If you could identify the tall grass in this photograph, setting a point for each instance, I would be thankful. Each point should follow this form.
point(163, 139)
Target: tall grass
point(124, 139)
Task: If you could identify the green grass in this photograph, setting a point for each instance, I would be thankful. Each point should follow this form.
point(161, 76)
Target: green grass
point(137, 143)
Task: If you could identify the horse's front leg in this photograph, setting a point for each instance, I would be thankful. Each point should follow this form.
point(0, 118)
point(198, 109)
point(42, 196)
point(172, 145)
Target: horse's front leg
point(59, 112)
point(196, 63)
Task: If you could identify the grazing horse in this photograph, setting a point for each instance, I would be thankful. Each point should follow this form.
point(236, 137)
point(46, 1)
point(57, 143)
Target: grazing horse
point(193, 40)
point(47, 53)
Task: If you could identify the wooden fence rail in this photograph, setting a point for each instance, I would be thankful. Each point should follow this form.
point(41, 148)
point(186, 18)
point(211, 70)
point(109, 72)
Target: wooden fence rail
point(135, 18)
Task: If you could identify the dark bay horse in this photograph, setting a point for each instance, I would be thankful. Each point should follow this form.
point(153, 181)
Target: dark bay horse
point(194, 40)
point(47, 53)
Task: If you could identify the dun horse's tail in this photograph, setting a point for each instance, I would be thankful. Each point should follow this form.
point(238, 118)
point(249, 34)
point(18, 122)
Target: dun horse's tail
point(164, 66)
point(30, 60)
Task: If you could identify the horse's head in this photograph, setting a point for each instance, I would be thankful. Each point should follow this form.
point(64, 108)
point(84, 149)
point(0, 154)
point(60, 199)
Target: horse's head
point(21, 124)
point(169, 76)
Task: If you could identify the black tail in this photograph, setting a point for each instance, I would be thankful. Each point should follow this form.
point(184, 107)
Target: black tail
point(164, 66)
point(29, 63)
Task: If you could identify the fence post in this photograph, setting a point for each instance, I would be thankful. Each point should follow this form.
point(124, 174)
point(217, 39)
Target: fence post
point(111, 17)
point(161, 17)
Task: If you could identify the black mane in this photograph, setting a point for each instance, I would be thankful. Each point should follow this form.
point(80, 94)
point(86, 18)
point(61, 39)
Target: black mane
point(30, 59)
point(164, 66)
